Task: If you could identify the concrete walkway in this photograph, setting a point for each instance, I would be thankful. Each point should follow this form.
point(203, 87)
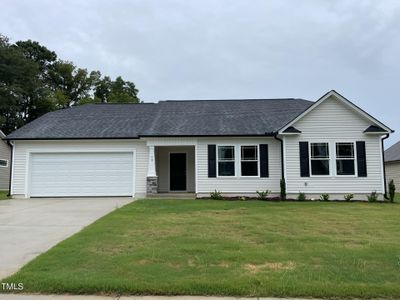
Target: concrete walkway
point(29, 227)
point(70, 297)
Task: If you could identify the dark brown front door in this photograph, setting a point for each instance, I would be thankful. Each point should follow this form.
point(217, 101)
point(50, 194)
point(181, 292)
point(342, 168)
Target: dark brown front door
point(177, 171)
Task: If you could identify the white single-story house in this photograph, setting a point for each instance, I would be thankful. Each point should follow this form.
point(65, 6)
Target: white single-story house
point(234, 146)
point(5, 159)
point(392, 164)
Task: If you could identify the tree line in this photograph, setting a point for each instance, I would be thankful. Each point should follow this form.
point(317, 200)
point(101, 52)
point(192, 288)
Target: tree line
point(34, 81)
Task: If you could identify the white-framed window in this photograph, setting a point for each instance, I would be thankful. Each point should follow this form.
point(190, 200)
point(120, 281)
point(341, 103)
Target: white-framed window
point(345, 159)
point(226, 160)
point(249, 160)
point(4, 163)
point(319, 159)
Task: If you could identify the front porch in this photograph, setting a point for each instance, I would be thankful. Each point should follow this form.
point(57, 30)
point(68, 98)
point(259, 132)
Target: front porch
point(171, 171)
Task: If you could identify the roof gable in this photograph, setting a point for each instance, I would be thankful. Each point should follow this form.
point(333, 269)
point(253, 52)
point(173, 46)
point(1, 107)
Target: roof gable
point(350, 105)
point(374, 129)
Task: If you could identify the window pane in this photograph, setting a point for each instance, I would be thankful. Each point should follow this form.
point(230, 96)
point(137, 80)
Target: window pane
point(226, 168)
point(226, 152)
point(345, 167)
point(249, 168)
point(345, 150)
point(249, 152)
point(319, 150)
point(3, 163)
point(320, 167)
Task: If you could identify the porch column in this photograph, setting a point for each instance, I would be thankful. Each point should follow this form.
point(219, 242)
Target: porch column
point(152, 180)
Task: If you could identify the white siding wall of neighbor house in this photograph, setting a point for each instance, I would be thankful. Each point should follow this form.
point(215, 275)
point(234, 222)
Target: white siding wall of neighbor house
point(333, 122)
point(24, 148)
point(393, 172)
point(237, 185)
point(5, 154)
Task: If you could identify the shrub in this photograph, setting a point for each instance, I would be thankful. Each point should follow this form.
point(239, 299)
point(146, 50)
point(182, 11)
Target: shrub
point(348, 197)
point(262, 195)
point(392, 190)
point(324, 197)
point(373, 197)
point(283, 189)
point(216, 195)
point(301, 197)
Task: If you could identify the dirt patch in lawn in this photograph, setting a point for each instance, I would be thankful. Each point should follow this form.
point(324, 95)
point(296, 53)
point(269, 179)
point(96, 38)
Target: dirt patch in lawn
point(273, 266)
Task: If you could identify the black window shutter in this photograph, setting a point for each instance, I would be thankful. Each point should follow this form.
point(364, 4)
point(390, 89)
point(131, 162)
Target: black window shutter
point(212, 161)
point(264, 168)
point(304, 160)
point(361, 159)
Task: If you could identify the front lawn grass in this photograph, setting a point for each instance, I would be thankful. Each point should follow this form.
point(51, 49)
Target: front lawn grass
point(3, 195)
point(241, 248)
point(397, 198)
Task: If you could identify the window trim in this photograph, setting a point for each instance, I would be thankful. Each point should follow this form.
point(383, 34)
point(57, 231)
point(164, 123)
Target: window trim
point(328, 159)
point(258, 160)
point(354, 159)
point(238, 156)
point(7, 163)
point(234, 160)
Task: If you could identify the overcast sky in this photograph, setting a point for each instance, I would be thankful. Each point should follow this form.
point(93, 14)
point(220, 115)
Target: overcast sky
point(227, 49)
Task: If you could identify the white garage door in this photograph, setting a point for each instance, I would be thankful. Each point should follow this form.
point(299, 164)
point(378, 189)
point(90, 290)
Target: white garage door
point(81, 174)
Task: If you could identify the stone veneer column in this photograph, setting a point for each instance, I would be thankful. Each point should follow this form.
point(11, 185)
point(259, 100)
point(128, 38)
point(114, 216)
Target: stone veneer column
point(152, 179)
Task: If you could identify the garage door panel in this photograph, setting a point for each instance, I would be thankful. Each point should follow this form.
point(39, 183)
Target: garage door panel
point(81, 174)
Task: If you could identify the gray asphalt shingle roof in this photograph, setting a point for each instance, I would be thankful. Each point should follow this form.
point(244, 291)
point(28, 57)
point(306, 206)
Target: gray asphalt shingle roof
point(166, 118)
point(393, 153)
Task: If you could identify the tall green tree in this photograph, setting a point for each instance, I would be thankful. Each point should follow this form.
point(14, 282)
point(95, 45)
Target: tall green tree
point(117, 91)
point(20, 86)
point(103, 89)
point(70, 84)
point(122, 92)
point(33, 81)
point(41, 55)
point(37, 101)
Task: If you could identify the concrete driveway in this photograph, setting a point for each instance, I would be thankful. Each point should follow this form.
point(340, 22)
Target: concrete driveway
point(30, 227)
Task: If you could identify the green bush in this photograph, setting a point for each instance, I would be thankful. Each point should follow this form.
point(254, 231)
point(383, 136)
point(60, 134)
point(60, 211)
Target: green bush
point(301, 197)
point(324, 197)
point(262, 195)
point(283, 189)
point(373, 197)
point(216, 195)
point(392, 191)
point(348, 197)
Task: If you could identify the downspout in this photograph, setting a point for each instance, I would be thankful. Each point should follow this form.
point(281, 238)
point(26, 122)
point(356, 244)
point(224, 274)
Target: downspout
point(383, 165)
point(11, 167)
point(282, 157)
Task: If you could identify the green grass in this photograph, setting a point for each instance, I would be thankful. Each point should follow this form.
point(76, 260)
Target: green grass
point(3, 195)
point(242, 248)
point(397, 198)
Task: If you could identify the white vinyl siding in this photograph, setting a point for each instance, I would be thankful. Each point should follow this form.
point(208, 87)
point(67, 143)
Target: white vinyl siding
point(24, 150)
point(238, 184)
point(393, 172)
point(333, 122)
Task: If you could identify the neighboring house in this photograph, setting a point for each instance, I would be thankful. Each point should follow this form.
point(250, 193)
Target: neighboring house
point(392, 164)
point(233, 146)
point(5, 160)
